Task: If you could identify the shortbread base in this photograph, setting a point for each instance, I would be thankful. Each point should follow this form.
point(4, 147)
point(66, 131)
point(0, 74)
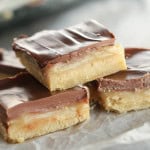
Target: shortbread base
point(124, 101)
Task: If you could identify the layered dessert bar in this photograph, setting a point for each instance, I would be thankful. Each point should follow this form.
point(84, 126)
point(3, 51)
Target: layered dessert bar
point(128, 90)
point(27, 109)
point(9, 65)
point(65, 58)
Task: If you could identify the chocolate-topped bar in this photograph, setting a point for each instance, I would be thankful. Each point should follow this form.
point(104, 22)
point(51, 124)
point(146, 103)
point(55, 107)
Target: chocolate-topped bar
point(130, 89)
point(9, 65)
point(27, 108)
point(75, 55)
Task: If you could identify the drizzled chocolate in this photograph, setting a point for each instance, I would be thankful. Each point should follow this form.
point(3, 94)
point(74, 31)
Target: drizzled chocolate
point(60, 46)
point(9, 65)
point(136, 77)
point(23, 94)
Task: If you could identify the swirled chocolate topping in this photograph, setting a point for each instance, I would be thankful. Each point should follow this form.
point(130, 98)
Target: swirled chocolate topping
point(136, 77)
point(54, 46)
point(24, 94)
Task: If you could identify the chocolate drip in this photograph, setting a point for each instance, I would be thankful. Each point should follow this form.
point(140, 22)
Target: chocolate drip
point(46, 46)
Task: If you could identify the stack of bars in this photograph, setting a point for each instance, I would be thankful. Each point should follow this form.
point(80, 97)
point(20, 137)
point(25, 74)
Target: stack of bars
point(64, 69)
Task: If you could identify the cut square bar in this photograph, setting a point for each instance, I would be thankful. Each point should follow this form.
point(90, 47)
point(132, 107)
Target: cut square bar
point(27, 109)
point(65, 58)
point(128, 90)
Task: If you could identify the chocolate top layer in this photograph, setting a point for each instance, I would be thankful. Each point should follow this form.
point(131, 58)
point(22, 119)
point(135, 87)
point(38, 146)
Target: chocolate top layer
point(23, 94)
point(136, 77)
point(9, 65)
point(54, 46)
point(138, 59)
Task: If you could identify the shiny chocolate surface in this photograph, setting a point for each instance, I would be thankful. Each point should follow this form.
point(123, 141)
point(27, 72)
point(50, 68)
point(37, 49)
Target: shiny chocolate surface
point(52, 46)
point(24, 94)
point(138, 62)
point(9, 64)
point(137, 76)
point(138, 59)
